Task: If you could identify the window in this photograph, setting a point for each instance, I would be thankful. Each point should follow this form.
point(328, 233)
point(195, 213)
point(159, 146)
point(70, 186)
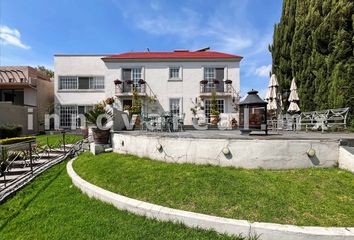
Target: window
point(12, 95)
point(175, 73)
point(68, 83)
point(96, 83)
point(133, 74)
point(82, 82)
point(136, 76)
point(212, 74)
point(68, 113)
point(209, 75)
point(175, 106)
point(127, 103)
point(221, 106)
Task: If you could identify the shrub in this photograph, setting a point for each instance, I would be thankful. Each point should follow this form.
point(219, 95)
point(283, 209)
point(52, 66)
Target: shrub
point(98, 110)
point(16, 140)
point(10, 131)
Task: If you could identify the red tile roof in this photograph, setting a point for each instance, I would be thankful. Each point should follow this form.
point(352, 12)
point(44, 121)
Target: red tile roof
point(174, 55)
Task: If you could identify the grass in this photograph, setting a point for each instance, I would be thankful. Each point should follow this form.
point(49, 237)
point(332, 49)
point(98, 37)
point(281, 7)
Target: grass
point(52, 208)
point(310, 197)
point(56, 140)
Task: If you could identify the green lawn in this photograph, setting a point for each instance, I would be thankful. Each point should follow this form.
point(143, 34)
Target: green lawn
point(315, 197)
point(56, 140)
point(52, 208)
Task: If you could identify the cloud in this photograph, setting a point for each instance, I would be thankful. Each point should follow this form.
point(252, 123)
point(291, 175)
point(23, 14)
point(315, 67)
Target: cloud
point(192, 27)
point(11, 36)
point(263, 71)
point(155, 5)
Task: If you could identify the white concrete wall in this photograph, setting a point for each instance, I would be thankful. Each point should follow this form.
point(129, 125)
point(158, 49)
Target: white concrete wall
point(268, 154)
point(346, 158)
point(76, 66)
point(156, 74)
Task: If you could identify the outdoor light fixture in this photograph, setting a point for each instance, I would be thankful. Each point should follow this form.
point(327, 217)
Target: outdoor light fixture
point(226, 151)
point(311, 152)
point(122, 142)
point(159, 147)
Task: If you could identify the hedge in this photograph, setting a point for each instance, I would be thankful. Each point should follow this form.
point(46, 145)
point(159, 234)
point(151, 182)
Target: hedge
point(16, 140)
point(10, 131)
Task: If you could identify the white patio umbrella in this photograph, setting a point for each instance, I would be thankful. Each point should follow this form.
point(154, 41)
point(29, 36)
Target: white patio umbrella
point(293, 98)
point(272, 95)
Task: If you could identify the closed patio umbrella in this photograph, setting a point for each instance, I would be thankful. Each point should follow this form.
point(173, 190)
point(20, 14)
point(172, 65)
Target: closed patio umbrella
point(293, 98)
point(272, 96)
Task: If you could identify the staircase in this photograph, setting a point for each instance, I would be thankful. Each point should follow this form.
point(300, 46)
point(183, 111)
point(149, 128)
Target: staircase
point(19, 172)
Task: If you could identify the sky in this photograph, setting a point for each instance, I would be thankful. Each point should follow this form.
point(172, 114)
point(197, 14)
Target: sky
point(32, 31)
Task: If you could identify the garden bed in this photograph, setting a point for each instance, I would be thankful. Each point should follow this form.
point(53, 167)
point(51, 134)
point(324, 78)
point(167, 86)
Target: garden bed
point(310, 197)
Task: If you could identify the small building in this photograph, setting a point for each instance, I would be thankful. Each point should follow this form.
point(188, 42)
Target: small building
point(174, 80)
point(26, 95)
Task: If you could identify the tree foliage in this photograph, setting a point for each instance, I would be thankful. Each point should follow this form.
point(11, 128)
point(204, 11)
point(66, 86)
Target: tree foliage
point(313, 42)
point(49, 73)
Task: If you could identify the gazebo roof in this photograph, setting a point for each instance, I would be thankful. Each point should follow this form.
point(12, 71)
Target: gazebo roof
point(253, 99)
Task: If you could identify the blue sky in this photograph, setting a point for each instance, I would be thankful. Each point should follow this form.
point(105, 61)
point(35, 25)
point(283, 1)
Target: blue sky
point(32, 31)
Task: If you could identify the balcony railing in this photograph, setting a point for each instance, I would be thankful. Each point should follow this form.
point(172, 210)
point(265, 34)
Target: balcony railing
point(218, 87)
point(127, 88)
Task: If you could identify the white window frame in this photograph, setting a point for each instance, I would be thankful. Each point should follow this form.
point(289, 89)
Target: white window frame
point(220, 101)
point(68, 82)
point(180, 110)
point(96, 83)
point(66, 117)
point(179, 78)
point(74, 111)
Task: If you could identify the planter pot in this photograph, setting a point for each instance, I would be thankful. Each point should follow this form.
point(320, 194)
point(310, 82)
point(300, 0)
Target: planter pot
point(195, 120)
point(85, 132)
point(137, 121)
point(100, 136)
point(214, 119)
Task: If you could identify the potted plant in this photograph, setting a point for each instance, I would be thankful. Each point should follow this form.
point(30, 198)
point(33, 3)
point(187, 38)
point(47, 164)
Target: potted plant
point(135, 109)
point(214, 109)
point(109, 101)
point(194, 113)
point(100, 136)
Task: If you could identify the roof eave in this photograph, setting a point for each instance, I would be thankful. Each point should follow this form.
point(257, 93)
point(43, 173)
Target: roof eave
point(112, 59)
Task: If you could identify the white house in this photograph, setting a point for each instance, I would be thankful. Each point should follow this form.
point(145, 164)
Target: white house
point(176, 79)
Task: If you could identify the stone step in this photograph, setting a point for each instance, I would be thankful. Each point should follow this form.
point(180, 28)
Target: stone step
point(18, 170)
point(9, 178)
point(23, 163)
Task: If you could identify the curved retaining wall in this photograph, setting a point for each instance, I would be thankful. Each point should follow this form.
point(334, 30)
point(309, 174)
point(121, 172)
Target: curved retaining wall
point(267, 231)
point(244, 153)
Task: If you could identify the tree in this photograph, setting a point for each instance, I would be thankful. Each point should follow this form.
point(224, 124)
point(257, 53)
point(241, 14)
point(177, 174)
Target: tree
point(49, 73)
point(313, 42)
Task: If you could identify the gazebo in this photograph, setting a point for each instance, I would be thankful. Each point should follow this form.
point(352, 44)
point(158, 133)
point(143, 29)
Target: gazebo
point(253, 114)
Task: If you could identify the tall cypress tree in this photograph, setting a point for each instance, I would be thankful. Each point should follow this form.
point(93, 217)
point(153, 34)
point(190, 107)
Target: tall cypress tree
point(313, 42)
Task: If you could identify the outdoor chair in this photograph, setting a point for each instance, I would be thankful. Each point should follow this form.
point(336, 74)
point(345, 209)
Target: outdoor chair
point(180, 122)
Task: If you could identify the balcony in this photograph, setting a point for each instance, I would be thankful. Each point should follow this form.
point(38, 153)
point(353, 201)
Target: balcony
point(221, 88)
point(126, 88)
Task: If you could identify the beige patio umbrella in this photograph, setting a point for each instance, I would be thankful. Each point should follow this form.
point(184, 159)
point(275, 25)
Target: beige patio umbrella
point(293, 98)
point(272, 96)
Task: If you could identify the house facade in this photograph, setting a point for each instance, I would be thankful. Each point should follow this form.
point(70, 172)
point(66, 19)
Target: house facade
point(26, 95)
point(165, 81)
